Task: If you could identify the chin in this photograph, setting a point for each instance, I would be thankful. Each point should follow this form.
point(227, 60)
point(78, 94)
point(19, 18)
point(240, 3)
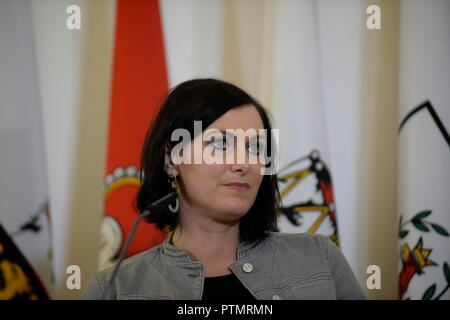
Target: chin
point(231, 208)
point(237, 210)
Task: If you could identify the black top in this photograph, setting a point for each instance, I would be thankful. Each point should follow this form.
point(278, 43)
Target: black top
point(227, 287)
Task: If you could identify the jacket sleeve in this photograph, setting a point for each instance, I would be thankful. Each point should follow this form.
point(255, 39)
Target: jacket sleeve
point(347, 287)
point(98, 289)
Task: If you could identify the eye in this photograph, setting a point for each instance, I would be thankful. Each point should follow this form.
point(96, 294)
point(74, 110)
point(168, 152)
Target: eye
point(255, 148)
point(219, 143)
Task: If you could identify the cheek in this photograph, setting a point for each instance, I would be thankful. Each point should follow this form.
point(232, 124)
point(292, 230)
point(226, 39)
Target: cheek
point(257, 177)
point(201, 179)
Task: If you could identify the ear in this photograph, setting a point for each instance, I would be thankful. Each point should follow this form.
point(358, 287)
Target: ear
point(169, 166)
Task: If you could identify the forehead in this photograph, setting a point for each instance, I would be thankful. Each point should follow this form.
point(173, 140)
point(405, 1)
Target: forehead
point(243, 117)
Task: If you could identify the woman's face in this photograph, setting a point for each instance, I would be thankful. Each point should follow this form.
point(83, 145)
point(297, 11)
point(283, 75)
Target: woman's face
point(225, 191)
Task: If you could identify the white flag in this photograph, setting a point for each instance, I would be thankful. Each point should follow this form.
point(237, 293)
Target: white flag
point(25, 256)
point(296, 96)
point(424, 150)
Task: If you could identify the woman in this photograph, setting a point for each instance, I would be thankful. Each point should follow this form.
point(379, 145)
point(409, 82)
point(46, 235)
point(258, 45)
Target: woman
point(222, 240)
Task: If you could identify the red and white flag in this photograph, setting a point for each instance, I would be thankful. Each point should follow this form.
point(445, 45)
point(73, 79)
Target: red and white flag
point(138, 87)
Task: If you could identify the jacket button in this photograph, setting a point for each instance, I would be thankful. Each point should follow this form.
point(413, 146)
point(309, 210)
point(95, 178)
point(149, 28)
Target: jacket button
point(275, 297)
point(247, 267)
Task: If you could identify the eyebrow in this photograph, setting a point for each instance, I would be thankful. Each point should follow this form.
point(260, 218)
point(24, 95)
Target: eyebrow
point(224, 132)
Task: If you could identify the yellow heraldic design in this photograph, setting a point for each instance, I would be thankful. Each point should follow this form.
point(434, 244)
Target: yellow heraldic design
point(15, 280)
point(121, 177)
point(293, 179)
point(297, 178)
point(111, 235)
point(419, 254)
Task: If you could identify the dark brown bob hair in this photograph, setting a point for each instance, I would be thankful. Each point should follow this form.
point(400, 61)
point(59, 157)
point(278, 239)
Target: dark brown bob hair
point(202, 100)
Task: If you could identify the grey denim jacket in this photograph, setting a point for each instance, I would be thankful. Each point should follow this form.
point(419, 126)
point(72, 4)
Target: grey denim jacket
point(282, 266)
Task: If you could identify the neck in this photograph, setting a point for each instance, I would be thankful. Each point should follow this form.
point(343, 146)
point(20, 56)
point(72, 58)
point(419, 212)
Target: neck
point(212, 242)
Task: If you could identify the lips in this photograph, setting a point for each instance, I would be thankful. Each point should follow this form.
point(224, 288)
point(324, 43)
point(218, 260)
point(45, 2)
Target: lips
point(238, 186)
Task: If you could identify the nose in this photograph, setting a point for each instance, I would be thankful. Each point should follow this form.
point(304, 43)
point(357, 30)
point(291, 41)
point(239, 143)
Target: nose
point(240, 168)
point(240, 159)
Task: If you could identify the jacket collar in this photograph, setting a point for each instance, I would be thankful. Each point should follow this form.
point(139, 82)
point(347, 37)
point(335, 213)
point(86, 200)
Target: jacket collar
point(177, 254)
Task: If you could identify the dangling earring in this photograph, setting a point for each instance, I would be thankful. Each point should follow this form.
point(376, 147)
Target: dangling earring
point(174, 186)
point(172, 182)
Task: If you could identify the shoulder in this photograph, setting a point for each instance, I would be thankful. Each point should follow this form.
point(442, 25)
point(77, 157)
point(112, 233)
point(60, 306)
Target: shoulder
point(306, 251)
point(127, 278)
point(314, 257)
point(314, 254)
point(303, 242)
point(136, 264)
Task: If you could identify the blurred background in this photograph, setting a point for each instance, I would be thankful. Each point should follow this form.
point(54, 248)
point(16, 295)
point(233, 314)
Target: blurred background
point(358, 89)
